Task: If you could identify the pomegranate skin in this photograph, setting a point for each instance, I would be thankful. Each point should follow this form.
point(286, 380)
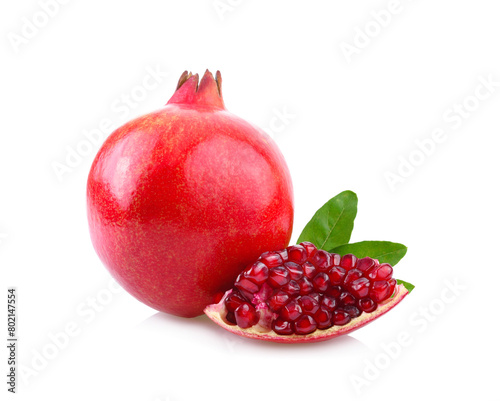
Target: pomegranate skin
point(181, 200)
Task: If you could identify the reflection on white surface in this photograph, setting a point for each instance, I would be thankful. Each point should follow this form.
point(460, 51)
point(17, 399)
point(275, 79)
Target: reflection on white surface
point(204, 327)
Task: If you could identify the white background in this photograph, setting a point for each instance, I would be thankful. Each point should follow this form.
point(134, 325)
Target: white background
point(352, 120)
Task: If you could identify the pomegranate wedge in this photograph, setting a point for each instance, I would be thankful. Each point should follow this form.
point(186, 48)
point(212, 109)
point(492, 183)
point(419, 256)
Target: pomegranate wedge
point(303, 294)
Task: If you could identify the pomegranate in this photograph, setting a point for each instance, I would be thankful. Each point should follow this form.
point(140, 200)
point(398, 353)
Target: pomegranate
point(182, 199)
point(305, 294)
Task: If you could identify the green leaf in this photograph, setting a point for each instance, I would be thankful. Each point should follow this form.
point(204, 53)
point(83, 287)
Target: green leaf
point(384, 251)
point(331, 226)
point(408, 286)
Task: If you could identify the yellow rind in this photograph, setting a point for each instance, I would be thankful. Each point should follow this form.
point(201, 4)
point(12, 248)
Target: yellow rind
point(214, 313)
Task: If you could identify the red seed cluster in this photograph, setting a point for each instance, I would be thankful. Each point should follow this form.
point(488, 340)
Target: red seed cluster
point(306, 289)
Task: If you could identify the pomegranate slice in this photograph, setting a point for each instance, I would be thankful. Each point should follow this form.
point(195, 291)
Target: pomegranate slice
point(332, 304)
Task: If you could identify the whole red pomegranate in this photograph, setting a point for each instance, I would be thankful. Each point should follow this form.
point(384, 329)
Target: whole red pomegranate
point(181, 200)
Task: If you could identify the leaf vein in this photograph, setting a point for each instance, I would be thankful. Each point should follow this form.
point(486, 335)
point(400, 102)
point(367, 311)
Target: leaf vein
point(331, 230)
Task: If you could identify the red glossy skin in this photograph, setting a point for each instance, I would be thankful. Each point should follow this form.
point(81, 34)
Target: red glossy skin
point(181, 200)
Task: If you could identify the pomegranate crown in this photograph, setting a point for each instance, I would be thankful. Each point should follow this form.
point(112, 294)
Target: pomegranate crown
point(206, 93)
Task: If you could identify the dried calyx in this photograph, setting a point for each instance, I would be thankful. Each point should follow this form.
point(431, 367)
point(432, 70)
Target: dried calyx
point(207, 92)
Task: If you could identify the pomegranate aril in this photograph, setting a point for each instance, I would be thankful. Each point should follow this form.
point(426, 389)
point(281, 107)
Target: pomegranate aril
point(233, 301)
point(348, 261)
point(278, 300)
point(365, 264)
point(347, 299)
point(264, 293)
point(291, 288)
point(247, 296)
point(352, 275)
point(323, 318)
point(367, 305)
point(336, 258)
point(284, 254)
point(373, 272)
point(245, 284)
point(392, 285)
point(271, 259)
point(296, 270)
point(321, 282)
point(230, 318)
point(360, 287)
point(282, 327)
point(257, 273)
point(297, 254)
point(352, 311)
point(309, 305)
point(278, 276)
point(305, 325)
point(322, 260)
point(328, 303)
point(380, 291)
point(341, 317)
point(384, 272)
point(309, 247)
point(369, 273)
point(315, 295)
point(336, 275)
point(309, 270)
point(305, 285)
point(246, 316)
point(334, 291)
point(291, 311)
